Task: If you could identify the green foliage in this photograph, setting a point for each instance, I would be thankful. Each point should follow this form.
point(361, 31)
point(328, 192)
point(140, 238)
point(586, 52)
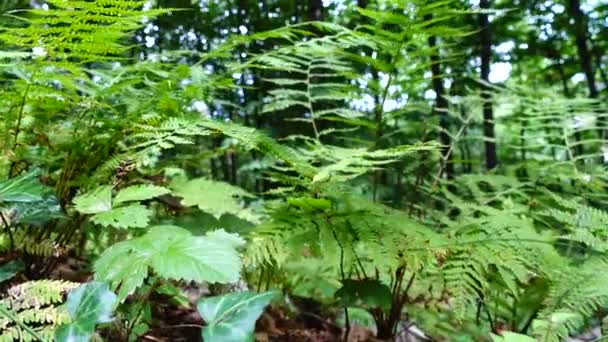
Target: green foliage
point(35, 304)
point(140, 193)
point(365, 293)
point(508, 336)
point(215, 198)
point(96, 201)
point(79, 30)
point(130, 216)
point(88, 305)
point(125, 215)
point(356, 188)
point(23, 199)
point(10, 269)
point(25, 188)
point(173, 253)
point(232, 317)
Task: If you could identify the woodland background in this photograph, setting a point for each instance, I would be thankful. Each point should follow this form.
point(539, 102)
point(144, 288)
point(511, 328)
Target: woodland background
point(303, 170)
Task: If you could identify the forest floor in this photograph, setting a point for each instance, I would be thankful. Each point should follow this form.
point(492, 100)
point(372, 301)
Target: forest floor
point(173, 323)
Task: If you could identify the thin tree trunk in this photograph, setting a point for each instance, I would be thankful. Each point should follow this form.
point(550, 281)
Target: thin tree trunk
point(584, 54)
point(598, 65)
point(468, 165)
point(488, 111)
point(441, 106)
point(578, 149)
point(315, 10)
point(580, 35)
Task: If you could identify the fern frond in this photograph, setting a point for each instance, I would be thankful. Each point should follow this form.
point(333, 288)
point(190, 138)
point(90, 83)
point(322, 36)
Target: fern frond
point(38, 305)
point(79, 31)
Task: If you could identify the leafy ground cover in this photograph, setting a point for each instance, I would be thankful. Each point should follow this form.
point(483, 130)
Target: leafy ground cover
point(302, 171)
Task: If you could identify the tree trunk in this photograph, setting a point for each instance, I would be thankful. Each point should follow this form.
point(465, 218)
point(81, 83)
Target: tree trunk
point(488, 112)
point(598, 65)
point(315, 10)
point(580, 35)
point(584, 54)
point(578, 149)
point(441, 106)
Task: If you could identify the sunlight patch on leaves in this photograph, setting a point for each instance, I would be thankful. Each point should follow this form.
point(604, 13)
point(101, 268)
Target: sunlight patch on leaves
point(140, 193)
point(98, 200)
point(216, 198)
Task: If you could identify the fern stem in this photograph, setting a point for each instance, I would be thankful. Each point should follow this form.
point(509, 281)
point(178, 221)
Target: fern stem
point(20, 119)
point(5, 311)
point(343, 276)
point(309, 98)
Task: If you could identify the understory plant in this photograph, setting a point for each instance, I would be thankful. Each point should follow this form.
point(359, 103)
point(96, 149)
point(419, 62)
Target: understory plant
point(130, 165)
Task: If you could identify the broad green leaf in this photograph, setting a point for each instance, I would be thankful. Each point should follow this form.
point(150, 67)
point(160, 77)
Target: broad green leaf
point(25, 188)
point(38, 212)
point(96, 201)
point(222, 236)
point(122, 268)
point(367, 293)
point(88, 305)
point(172, 252)
point(232, 317)
point(216, 198)
point(10, 269)
point(140, 193)
point(508, 336)
point(72, 333)
point(131, 216)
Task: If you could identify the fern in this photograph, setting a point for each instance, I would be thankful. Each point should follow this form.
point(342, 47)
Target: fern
point(81, 31)
point(25, 241)
point(36, 304)
point(576, 294)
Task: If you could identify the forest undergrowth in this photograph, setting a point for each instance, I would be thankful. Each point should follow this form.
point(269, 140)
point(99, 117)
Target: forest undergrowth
point(351, 178)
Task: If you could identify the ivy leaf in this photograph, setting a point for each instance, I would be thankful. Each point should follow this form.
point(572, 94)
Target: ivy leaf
point(88, 305)
point(37, 213)
point(216, 198)
point(140, 193)
point(172, 252)
point(131, 216)
point(232, 317)
point(27, 200)
point(96, 201)
point(10, 269)
point(24, 188)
